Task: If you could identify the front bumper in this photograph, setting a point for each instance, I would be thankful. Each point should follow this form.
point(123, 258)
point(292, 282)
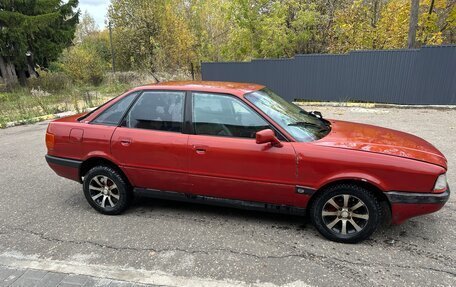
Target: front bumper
point(405, 205)
point(413, 197)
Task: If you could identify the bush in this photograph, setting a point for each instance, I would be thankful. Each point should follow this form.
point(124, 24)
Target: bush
point(128, 79)
point(83, 65)
point(50, 82)
point(143, 78)
point(3, 87)
point(122, 78)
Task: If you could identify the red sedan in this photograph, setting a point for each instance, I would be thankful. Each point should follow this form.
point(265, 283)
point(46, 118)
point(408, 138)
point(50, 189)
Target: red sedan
point(241, 145)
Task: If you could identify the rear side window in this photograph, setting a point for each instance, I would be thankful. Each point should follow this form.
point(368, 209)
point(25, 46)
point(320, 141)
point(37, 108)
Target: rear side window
point(112, 115)
point(157, 110)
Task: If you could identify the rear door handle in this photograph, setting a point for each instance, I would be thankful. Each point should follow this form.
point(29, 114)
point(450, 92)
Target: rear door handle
point(125, 142)
point(200, 149)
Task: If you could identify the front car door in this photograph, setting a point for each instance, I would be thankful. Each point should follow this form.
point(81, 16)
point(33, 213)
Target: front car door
point(225, 160)
point(150, 145)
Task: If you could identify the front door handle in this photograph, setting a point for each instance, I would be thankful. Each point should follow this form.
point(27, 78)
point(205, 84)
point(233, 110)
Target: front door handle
point(125, 142)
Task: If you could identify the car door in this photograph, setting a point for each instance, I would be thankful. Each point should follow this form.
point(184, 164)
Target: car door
point(149, 143)
point(225, 160)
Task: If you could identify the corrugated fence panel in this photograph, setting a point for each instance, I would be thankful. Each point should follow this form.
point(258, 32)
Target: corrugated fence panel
point(414, 76)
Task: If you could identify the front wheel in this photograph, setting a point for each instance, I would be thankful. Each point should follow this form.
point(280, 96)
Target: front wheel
point(106, 190)
point(346, 213)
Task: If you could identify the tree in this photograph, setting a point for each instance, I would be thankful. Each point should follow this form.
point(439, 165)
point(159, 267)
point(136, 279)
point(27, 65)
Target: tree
point(307, 27)
point(353, 28)
point(151, 35)
point(84, 64)
point(392, 28)
point(169, 34)
point(210, 26)
point(449, 27)
point(86, 27)
point(33, 32)
point(261, 29)
point(88, 60)
point(174, 38)
point(413, 23)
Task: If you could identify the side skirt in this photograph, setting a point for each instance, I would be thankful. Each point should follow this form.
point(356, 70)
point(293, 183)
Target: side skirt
point(223, 202)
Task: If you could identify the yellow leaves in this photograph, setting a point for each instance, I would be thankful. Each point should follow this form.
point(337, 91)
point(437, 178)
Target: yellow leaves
point(164, 34)
point(392, 29)
point(438, 4)
point(435, 39)
point(429, 31)
point(84, 65)
point(175, 38)
point(353, 27)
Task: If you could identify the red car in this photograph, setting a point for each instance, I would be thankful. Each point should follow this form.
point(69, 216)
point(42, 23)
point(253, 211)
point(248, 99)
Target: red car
point(241, 145)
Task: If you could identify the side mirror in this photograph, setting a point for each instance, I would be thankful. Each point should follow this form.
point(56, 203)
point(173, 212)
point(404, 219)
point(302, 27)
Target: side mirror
point(268, 136)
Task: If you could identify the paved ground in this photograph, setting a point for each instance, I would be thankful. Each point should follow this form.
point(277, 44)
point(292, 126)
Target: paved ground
point(18, 277)
point(46, 224)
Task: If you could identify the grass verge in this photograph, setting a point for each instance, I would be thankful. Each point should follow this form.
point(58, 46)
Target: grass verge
point(26, 105)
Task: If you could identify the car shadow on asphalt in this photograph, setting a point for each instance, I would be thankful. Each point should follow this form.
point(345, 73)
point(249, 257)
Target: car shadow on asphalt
point(143, 206)
point(387, 235)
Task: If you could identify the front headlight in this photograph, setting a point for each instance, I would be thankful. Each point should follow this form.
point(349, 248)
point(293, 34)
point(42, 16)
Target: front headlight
point(441, 183)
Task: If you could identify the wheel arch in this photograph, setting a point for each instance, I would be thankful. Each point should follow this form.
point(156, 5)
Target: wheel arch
point(376, 190)
point(96, 161)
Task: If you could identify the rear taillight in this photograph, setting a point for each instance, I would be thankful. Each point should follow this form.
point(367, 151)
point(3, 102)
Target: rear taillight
point(50, 141)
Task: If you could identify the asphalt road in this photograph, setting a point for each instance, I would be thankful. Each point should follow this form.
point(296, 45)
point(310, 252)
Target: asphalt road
point(45, 223)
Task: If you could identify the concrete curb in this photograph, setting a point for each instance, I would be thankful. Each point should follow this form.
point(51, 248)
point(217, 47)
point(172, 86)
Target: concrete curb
point(141, 276)
point(375, 105)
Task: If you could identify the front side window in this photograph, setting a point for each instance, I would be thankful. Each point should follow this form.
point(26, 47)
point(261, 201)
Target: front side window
point(303, 126)
point(223, 115)
point(112, 115)
point(157, 110)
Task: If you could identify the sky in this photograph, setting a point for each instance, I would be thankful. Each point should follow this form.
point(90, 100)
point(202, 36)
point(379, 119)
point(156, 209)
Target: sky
point(97, 9)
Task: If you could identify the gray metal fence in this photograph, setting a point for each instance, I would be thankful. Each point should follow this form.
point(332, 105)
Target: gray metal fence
point(416, 76)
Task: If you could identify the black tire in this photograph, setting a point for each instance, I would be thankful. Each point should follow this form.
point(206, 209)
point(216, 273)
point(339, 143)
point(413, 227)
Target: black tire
point(95, 189)
point(355, 205)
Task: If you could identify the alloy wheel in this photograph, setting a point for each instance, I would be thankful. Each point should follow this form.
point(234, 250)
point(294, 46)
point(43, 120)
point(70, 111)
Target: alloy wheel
point(345, 214)
point(104, 191)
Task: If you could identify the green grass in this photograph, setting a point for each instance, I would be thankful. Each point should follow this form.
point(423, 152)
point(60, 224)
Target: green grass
point(22, 104)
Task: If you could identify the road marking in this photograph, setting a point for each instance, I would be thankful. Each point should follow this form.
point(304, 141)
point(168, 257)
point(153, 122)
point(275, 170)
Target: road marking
point(18, 260)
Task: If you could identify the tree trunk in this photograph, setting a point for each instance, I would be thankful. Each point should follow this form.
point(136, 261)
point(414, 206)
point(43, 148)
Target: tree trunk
point(32, 73)
point(413, 25)
point(8, 72)
point(431, 7)
point(22, 77)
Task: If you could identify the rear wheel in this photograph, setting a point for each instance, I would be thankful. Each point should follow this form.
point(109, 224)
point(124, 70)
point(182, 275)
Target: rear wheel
point(346, 213)
point(106, 190)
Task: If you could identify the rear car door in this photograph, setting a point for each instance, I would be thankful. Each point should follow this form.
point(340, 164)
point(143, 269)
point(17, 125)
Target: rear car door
point(225, 160)
point(149, 143)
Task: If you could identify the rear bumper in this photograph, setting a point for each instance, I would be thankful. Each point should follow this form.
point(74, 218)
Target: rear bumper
point(68, 168)
point(405, 205)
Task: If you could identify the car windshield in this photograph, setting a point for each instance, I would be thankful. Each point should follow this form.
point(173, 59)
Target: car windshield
point(302, 125)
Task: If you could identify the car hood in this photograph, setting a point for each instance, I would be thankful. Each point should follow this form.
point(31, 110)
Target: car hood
point(375, 139)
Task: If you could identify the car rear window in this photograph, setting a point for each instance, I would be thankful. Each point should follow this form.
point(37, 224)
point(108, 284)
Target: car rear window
point(113, 114)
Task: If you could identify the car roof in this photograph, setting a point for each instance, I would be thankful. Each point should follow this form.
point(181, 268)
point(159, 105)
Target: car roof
point(205, 86)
